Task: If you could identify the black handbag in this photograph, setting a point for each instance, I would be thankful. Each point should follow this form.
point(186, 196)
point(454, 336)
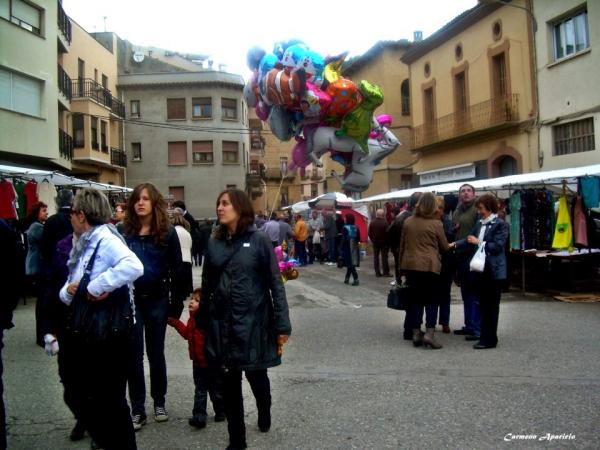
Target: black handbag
point(98, 322)
point(399, 298)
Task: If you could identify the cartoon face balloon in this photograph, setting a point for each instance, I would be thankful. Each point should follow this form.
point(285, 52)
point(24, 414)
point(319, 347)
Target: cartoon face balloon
point(313, 64)
point(315, 102)
point(292, 57)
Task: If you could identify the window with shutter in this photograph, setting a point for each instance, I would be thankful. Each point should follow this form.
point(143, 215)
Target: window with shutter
point(26, 16)
point(202, 152)
point(177, 153)
point(202, 108)
point(230, 152)
point(136, 151)
point(176, 109)
point(135, 109)
point(177, 193)
point(229, 108)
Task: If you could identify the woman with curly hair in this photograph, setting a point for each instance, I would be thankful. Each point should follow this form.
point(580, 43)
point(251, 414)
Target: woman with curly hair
point(150, 235)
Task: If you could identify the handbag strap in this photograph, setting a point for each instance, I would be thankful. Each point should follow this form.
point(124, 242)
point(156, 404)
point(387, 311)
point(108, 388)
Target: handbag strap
point(90, 264)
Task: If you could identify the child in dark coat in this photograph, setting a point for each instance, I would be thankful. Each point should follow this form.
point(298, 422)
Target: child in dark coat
point(204, 380)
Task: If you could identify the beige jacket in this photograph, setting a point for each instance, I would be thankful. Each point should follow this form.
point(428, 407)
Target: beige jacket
point(421, 245)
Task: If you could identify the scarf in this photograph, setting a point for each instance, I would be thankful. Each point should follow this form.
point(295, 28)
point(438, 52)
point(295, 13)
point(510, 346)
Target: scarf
point(484, 223)
point(81, 243)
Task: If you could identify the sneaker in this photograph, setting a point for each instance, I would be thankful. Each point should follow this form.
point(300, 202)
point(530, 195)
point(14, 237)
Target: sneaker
point(138, 421)
point(160, 414)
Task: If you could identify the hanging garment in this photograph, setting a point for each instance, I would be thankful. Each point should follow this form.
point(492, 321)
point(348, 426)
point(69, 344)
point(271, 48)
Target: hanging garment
point(515, 221)
point(580, 223)
point(21, 202)
point(30, 193)
point(8, 197)
point(590, 190)
point(46, 192)
point(563, 233)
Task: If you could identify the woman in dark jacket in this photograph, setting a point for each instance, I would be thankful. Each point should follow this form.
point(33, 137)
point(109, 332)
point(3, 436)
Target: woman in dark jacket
point(153, 239)
point(350, 250)
point(493, 232)
point(244, 311)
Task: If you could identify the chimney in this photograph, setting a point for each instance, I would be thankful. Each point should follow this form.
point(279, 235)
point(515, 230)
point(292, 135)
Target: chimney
point(417, 36)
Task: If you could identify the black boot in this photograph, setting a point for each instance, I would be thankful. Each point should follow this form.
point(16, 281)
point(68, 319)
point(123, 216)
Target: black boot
point(264, 420)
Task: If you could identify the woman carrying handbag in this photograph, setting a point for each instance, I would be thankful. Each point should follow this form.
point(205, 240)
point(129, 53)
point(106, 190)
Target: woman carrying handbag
point(490, 235)
point(100, 264)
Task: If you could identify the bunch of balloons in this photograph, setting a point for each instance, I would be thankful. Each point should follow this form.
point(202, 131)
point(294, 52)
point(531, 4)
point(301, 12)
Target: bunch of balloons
point(287, 266)
point(304, 96)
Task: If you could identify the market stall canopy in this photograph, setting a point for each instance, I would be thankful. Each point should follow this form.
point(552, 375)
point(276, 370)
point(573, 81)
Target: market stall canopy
point(57, 178)
point(331, 200)
point(551, 177)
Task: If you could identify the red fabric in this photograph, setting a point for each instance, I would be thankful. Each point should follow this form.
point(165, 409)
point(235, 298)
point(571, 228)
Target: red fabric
point(360, 222)
point(30, 193)
point(194, 336)
point(7, 200)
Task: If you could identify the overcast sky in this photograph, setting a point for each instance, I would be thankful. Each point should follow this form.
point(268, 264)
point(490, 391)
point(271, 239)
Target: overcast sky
point(225, 29)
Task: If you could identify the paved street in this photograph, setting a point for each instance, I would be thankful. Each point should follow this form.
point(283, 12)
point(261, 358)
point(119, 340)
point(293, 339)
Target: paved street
point(350, 381)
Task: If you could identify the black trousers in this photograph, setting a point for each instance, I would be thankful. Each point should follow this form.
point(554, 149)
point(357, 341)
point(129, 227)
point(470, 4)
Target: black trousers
point(207, 382)
point(234, 401)
point(67, 372)
point(396, 265)
point(490, 291)
point(100, 380)
point(2, 410)
point(381, 253)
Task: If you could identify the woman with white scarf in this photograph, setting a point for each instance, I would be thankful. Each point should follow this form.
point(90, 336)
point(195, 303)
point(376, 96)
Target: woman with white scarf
point(491, 232)
point(102, 368)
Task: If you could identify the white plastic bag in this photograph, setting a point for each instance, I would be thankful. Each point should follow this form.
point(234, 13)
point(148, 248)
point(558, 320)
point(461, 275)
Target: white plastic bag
point(316, 238)
point(477, 263)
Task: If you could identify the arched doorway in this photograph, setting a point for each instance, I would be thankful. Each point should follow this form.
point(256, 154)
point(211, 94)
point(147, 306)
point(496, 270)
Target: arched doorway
point(506, 165)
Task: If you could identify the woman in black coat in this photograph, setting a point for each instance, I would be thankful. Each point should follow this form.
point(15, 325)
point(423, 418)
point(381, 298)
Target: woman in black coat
point(492, 231)
point(244, 311)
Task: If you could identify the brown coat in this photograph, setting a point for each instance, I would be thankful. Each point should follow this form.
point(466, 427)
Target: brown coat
point(421, 245)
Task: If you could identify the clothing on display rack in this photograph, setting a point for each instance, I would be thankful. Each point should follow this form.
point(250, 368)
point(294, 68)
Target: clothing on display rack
point(580, 223)
point(531, 219)
point(589, 187)
point(8, 198)
point(30, 193)
point(19, 186)
point(46, 192)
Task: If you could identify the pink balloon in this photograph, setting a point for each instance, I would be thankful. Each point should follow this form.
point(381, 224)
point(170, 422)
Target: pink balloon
point(315, 102)
point(262, 110)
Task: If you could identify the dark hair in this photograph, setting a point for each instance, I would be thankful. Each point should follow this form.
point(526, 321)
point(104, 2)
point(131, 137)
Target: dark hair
point(179, 204)
point(350, 219)
point(197, 291)
point(242, 205)
point(395, 210)
point(64, 198)
point(467, 185)
point(273, 216)
point(159, 226)
point(427, 206)
point(414, 199)
point(489, 202)
point(34, 212)
point(123, 206)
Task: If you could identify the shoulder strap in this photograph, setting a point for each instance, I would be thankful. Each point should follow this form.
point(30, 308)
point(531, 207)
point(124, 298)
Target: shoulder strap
point(90, 264)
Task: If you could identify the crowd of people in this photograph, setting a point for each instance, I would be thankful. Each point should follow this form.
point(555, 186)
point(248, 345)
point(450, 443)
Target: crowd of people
point(432, 248)
point(89, 254)
point(109, 282)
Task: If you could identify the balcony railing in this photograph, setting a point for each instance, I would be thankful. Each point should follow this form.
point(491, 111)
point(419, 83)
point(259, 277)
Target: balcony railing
point(88, 88)
point(481, 116)
point(64, 23)
point(117, 157)
point(65, 145)
point(64, 83)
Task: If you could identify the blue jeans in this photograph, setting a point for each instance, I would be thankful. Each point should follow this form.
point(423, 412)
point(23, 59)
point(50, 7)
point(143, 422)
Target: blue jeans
point(470, 300)
point(300, 248)
point(332, 249)
point(151, 324)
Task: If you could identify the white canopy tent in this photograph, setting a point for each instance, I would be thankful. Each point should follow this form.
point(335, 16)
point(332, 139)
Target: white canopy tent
point(346, 201)
point(551, 177)
point(57, 178)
